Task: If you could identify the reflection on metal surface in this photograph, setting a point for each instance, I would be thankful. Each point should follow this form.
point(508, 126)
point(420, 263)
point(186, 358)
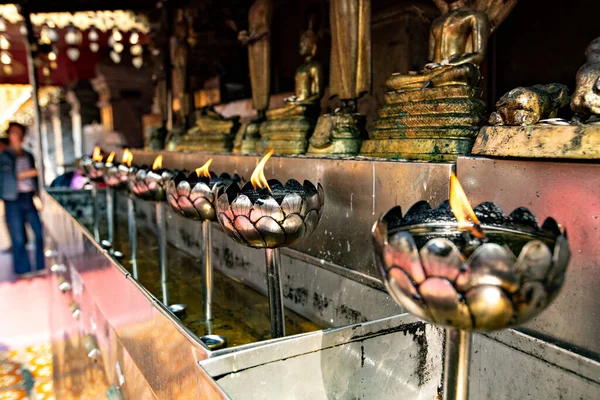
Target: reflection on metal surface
point(114, 393)
point(58, 268)
point(568, 192)
point(63, 284)
point(91, 346)
point(214, 342)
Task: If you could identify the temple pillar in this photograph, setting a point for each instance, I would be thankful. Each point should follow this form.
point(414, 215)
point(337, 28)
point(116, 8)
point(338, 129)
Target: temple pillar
point(76, 124)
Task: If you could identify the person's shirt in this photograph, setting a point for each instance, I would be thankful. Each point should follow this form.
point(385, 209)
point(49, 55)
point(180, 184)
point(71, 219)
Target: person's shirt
point(24, 163)
point(9, 187)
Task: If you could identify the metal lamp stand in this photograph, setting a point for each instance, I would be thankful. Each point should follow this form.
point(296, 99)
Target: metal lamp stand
point(273, 259)
point(132, 233)
point(213, 342)
point(456, 365)
point(96, 212)
point(177, 309)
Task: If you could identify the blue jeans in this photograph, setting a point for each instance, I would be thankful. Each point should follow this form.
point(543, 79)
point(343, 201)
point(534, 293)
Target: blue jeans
point(17, 212)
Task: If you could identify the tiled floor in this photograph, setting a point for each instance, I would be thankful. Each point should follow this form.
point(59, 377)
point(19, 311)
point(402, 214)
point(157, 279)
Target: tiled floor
point(25, 354)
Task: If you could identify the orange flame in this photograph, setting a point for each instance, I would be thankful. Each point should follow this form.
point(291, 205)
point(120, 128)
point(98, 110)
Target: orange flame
point(258, 176)
point(462, 209)
point(157, 162)
point(127, 158)
point(203, 170)
point(110, 157)
point(97, 155)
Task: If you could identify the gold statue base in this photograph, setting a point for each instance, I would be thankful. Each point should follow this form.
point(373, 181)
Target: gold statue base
point(251, 140)
point(212, 132)
point(576, 141)
point(286, 136)
point(432, 124)
point(338, 135)
point(204, 142)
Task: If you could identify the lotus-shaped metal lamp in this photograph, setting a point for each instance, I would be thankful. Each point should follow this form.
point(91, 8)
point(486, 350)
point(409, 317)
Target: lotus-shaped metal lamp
point(193, 196)
point(116, 175)
point(93, 167)
point(149, 183)
point(469, 270)
point(267, 214)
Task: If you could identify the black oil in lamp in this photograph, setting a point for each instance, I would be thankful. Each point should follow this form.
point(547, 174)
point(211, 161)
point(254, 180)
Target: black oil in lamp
point(469, 270)
point(268, 215)
point(193, 196)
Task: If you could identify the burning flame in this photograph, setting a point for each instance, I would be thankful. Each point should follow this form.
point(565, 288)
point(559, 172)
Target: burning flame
point(462, 209)
point(110, 157)
point(157, 162)
point(127, 157)
point(97, 155)
point(258, 176)
point(203, 170)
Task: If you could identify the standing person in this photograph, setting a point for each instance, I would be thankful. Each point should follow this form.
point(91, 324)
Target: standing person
point(18, 184)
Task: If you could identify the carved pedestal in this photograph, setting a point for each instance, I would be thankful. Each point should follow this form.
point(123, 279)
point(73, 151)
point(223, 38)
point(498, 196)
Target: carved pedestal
point(251, 138)
point(210, 134)
point(338, 135)
point(434, 124)
point(540, 141)
point(287, 136)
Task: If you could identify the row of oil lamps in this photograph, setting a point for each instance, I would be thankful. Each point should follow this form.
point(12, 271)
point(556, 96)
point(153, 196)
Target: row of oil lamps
point(462, 268)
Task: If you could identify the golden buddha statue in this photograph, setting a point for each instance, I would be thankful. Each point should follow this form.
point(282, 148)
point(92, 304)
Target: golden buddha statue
point(342, 132)
point(586, 99)
point(435, 114)
point(287, 128)
point(213, 132)
point(258, 40)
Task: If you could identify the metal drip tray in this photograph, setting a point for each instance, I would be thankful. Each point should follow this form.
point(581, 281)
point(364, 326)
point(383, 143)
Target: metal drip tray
point(397, 357)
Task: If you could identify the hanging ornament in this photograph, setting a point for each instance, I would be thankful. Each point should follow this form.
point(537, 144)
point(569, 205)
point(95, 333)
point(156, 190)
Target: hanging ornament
point(73, 53)
point(116, 35)
point(46, 71)
point(118, 47)
point(52, 55)
point(7, 69)
point(116, 57)
point(134, 37)
point(73, 36)
point(4, 42)
point(93, 34)
point(137, 62)
point(2, 24)
point(94, 47)
point(53, 65)
point(136, 50)
point(23, 29)
point(5, 57)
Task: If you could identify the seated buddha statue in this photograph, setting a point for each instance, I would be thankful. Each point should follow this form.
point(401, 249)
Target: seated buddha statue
point(435, 114)
point(308, 85)
point(457, 45)
point(287, 128)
